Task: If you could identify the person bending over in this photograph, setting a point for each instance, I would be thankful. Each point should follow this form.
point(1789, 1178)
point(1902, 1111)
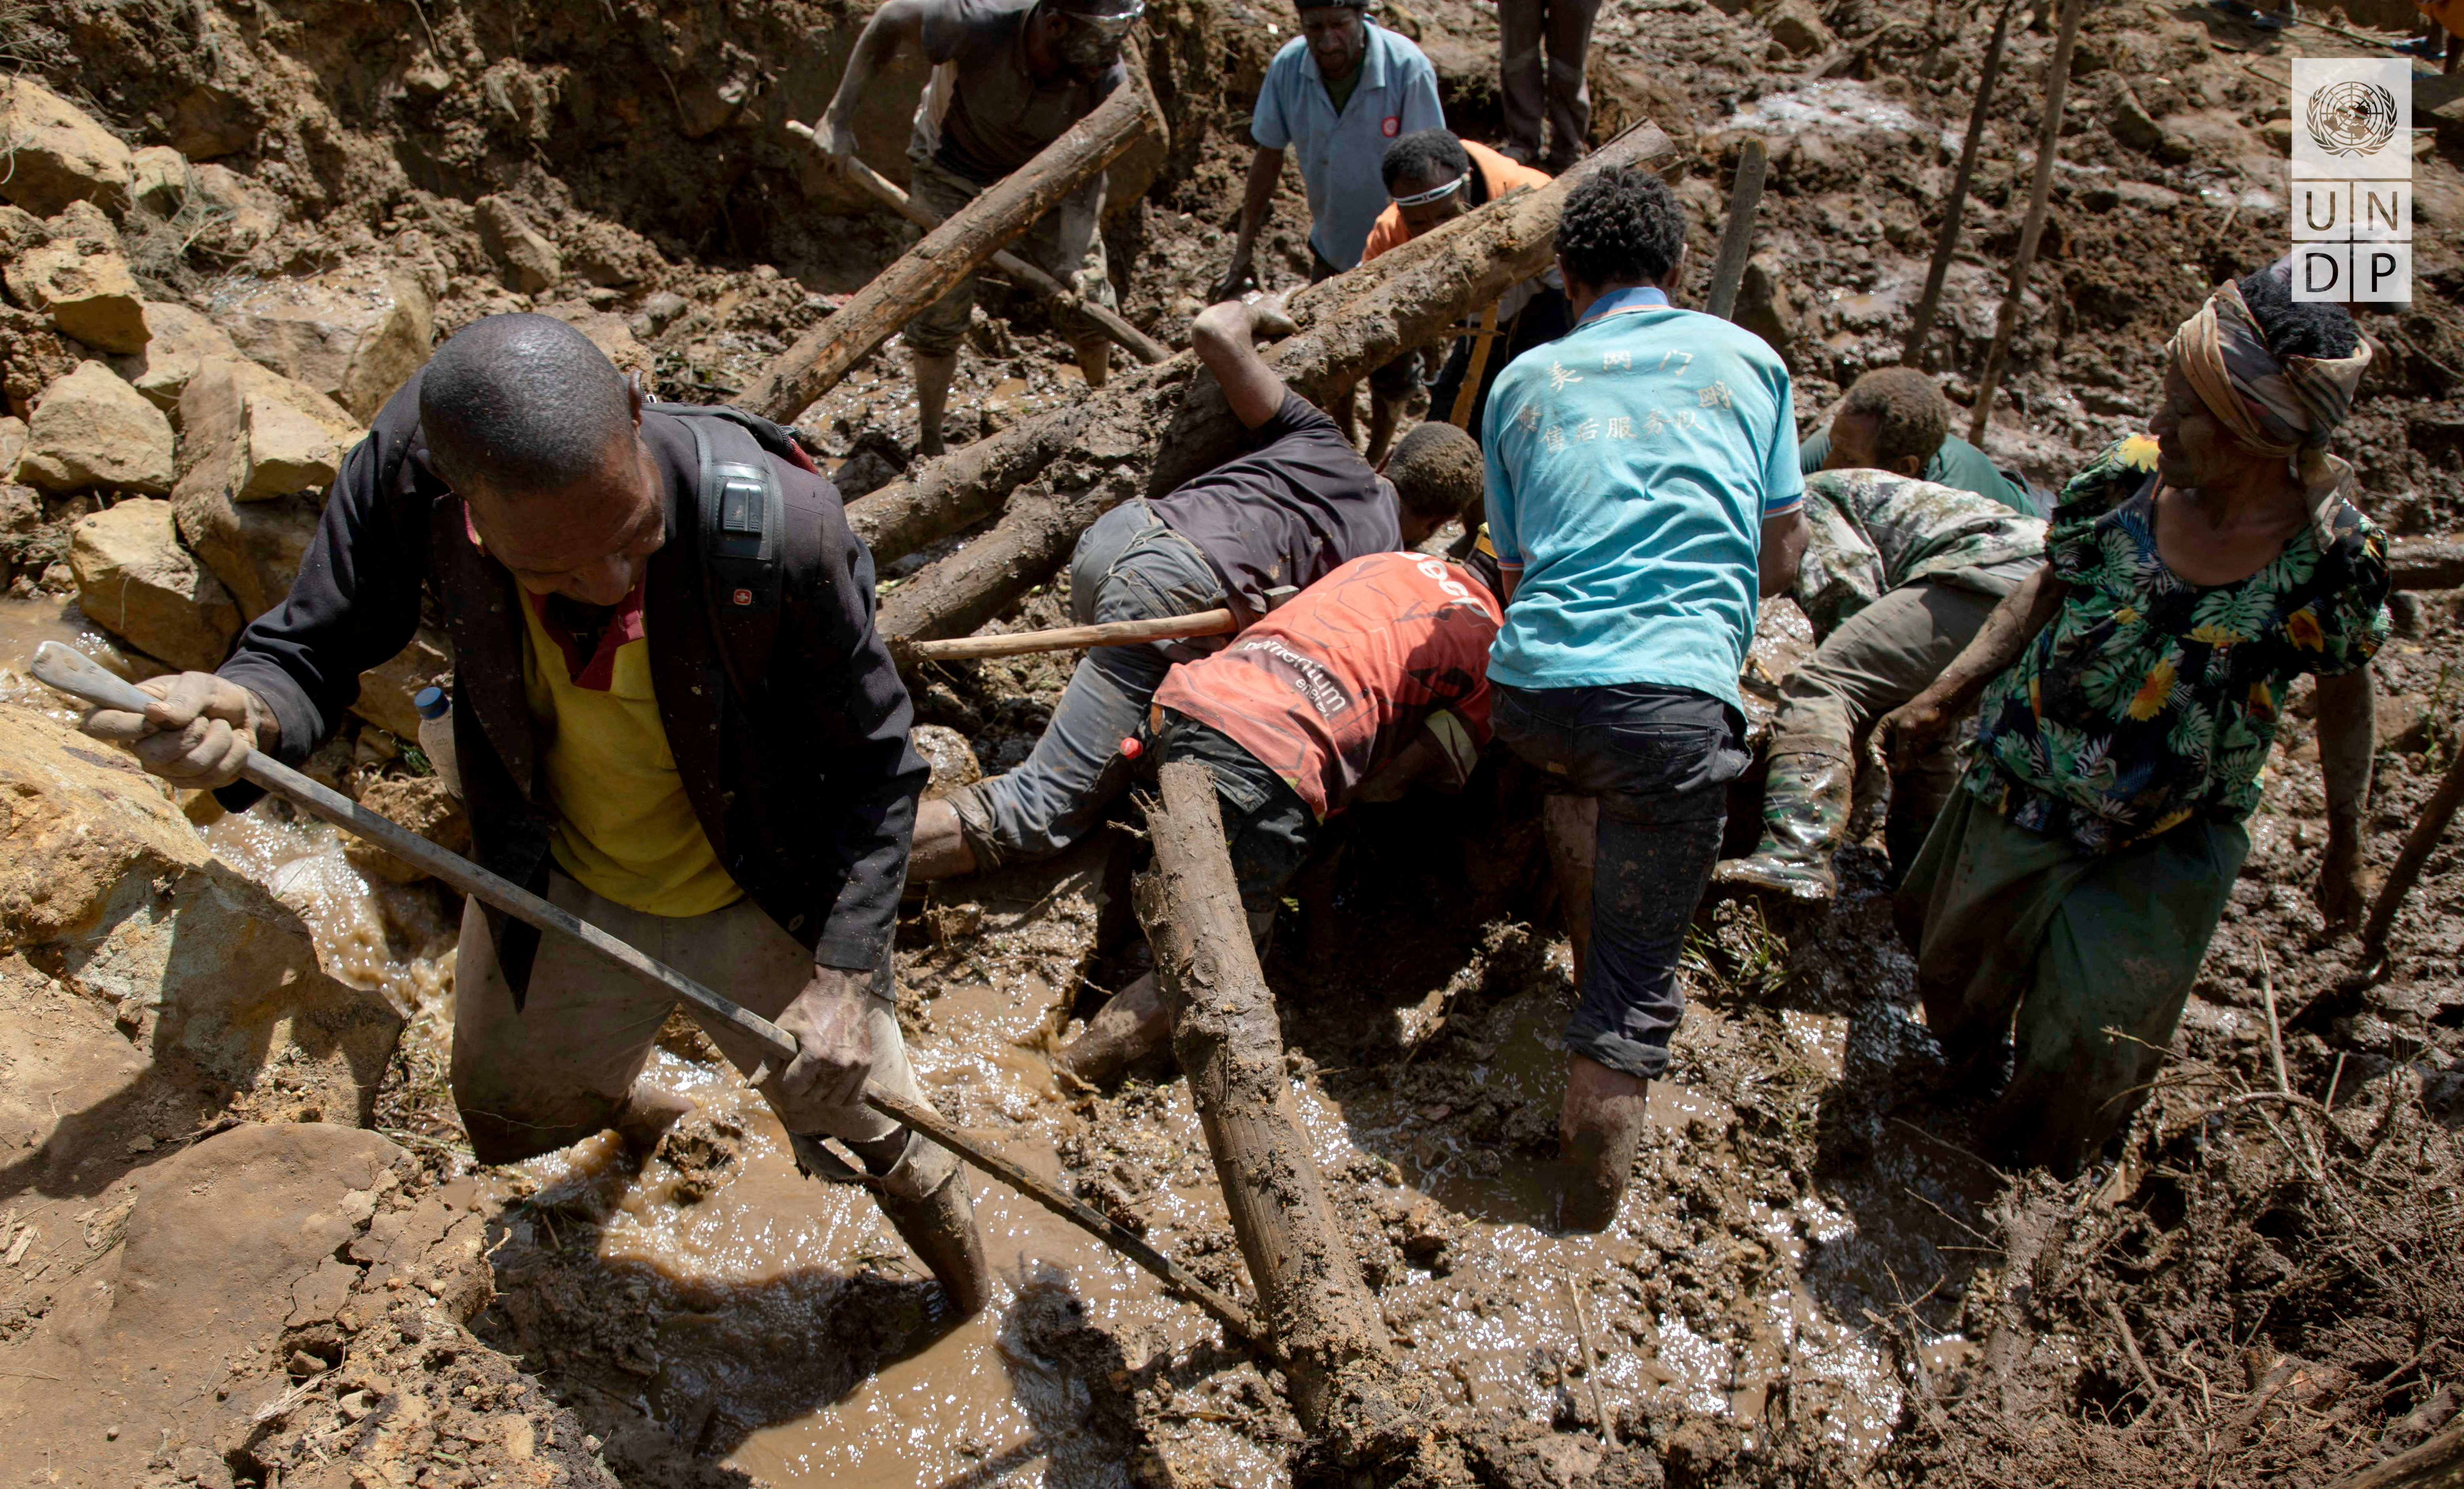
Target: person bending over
point(732, 797)
point(1644, 494)
point(1373, 679)
point(1896, 419)
point(2131, 690)
point(1301, 502)
point(1899, 575)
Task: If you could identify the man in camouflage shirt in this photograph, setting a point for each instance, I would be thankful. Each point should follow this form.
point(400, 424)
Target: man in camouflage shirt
point(1897, 576)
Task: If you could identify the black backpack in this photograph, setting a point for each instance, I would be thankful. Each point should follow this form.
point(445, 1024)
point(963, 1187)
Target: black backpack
point(741, 528)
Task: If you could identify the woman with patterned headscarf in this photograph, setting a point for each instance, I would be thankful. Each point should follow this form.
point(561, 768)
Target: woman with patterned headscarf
point(2130, 695)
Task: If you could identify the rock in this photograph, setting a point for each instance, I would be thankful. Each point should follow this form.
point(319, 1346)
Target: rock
point(217, 1245)
point(659, 311)
point(354, 335)
point(57, 153)
point(108, 888)
point(20, 230)
point(80, 279)
point(2132, 125)
point(612, 335)
point(255, 446)
point(251, 211)
point(1765, 305)
point(385, 690)
point(13, 444)
point(421, 803)
point(950, 757)
point(1798, 28)
point(136, 581)
point(75, 1092)
point(91, 428)
point(159, 180)
point(178, 339)
point(530, 261)
point(254, 548)
point(35, 356)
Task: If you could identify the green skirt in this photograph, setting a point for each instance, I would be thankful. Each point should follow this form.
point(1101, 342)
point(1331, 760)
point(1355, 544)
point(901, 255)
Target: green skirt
point(2084, 959)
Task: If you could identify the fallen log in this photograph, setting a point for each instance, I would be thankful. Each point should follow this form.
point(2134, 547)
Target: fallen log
point(1137, 342)
point(1340, 1364)
point(1150, 431)
point(2426, 563)
point(947, 254)
point(1070, 638)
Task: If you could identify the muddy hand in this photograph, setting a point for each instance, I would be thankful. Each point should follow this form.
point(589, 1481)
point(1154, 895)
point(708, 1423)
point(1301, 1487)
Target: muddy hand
point(1907, 732)
point(197, 735)
point(1271, 319)
point(833, 1043)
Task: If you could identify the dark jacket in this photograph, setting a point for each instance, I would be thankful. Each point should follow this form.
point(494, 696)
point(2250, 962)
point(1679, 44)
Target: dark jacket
point(806, 788)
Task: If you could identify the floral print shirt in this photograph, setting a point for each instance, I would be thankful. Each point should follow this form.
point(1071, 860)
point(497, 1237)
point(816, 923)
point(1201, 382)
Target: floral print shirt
point(2148, 700)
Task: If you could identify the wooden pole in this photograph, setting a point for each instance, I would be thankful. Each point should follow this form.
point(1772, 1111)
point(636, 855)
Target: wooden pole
point(1151, 429)
point(950, 253)
point(1140, 345)
point(2418, 846)
point(1947, 242)
point(2049, 139)
point(1737, 238)
point(1231, 1047)
point(1110, 633)
point(2435, 1464)
point(79, 676)
point(2426, 563)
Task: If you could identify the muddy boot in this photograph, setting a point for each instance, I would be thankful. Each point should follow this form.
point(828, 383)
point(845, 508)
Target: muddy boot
point(1599, 1158)
point(923, 1196)
point(1805, 820)
point(1133, 1026)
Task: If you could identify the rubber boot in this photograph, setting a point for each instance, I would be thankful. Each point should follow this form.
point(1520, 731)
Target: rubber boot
point(1805, 820)
point(924, 1198)
point(1133, 1026)
point(1599, 1158)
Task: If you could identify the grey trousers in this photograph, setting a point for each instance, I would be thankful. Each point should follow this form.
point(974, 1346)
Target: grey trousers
point(557, 1070)
point(1127, 566)
point(1527, 89)
point(1878, 659)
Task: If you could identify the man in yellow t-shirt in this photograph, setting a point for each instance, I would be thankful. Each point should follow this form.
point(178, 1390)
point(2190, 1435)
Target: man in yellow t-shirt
point(707, 760)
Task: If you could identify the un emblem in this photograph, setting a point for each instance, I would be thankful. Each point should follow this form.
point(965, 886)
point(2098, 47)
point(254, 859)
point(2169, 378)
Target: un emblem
point(2351, 117)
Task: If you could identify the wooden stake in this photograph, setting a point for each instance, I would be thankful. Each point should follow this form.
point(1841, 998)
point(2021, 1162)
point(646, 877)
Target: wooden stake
point(1140, 345)
point(950, 253)
point(1067, 638)
point(1467, 396)
point(1737, 238)
point(2418, 846)
point(1948, 243)
point(1231, 1046)
point(2049, 139)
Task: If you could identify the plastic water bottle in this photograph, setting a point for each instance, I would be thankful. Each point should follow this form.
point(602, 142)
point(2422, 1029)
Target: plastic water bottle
point(435, 708)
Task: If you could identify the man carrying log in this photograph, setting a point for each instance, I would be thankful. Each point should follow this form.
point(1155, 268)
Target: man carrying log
point(1896, 419)
point(673, 719)
point(1337, 93)
point(1013, 76)
point(1374, 679)
point(1301, 502)
point(1897, 578)
point(1434, 177)
point(1642, 496)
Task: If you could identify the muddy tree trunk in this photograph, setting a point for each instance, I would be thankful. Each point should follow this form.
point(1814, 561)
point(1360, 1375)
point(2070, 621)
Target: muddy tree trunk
point(946, 255)
point(1231, 1047)
point(2426, 563)
point(1151, 430)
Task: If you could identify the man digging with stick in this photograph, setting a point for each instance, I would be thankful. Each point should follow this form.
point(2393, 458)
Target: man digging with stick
point(674, 720)
point(1279, 518)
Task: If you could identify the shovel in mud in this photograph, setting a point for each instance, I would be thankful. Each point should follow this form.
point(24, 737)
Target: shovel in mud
point(79, 676)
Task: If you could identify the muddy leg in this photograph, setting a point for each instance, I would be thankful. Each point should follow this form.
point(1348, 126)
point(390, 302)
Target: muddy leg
point(940, 851)
point(933, 378)
point(1095, 360)
point(1572, 825)
point(1133, 1026)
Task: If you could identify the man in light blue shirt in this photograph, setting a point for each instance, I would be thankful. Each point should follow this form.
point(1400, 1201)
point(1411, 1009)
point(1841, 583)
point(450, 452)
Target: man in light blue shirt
point(1337, 93)
point(1644, 497)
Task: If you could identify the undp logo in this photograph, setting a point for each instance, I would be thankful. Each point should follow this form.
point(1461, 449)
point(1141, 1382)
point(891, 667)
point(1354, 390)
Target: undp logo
point(2351, 117)
point(2351, 179)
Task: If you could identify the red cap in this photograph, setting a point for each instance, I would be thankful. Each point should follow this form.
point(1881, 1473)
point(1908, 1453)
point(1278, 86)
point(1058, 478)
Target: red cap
point(1131, 749)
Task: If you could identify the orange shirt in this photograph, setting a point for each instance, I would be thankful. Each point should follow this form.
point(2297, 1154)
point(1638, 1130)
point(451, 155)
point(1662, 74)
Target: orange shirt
point(1498, 174)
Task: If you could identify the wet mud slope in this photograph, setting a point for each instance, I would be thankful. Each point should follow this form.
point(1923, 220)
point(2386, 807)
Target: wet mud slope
point(1814, 1282)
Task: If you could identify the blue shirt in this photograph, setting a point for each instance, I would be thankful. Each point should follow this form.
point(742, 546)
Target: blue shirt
point(1631, 464)
point(1339, 154)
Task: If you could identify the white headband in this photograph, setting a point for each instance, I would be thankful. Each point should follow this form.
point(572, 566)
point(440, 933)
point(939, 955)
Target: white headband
point(1435, 194)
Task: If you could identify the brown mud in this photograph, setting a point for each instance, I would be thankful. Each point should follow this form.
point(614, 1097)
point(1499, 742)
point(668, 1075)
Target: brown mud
point(1813, 1281)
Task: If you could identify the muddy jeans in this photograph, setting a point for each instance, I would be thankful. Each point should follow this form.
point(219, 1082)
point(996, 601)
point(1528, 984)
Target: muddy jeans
point(1527, 89)
point(1660, 760)
point(1878, 659)
point(1268, 831)
point(557, 1070)
point(1127, 566)
point(2083, 961)
point(938, 329)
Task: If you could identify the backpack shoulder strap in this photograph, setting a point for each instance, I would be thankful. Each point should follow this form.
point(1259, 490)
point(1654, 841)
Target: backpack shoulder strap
point(740, 524)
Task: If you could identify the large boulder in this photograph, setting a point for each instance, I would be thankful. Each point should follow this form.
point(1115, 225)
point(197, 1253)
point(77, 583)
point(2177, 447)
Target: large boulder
point(178, 342)
point(354, 335)
point(529, 261)
point(135, 580)
point(34, 354)
point(80, 279)
point(91, 428)
point(253, 444)
point(57, 153)
point(106, 887)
